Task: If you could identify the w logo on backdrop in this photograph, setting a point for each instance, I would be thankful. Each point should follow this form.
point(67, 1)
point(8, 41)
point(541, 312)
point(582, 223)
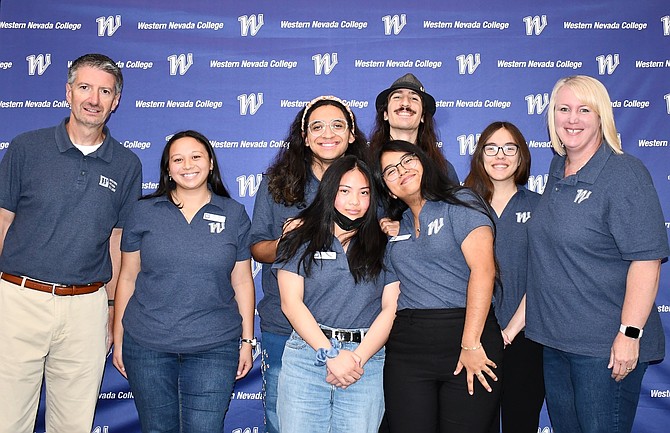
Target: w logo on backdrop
point(537, 183)
point(467, 64)
point(467, 143)
point(394, 24)
point(38, 63)
point(535, 25)
point(522, 217)
point(537, 103)
point(179, 64)
point(248, 185)
point(324, 63)
point(666, 25)
point(435, 226)
point(250, 103)
point(108, 25)
point(250, 24)
point(582, 194)
point(607, 63)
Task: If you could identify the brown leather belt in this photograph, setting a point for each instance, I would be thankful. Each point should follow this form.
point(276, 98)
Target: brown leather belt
point(54, 289)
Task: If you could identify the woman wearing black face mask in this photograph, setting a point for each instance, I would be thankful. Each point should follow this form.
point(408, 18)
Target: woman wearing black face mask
point(341, 302)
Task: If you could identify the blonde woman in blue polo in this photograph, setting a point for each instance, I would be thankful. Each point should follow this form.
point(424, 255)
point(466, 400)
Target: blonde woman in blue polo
point(340, 300)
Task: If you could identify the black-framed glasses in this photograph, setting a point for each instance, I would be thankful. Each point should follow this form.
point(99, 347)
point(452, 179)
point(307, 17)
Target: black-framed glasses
point(318, 127)
point(407, 162)
point(507, 149)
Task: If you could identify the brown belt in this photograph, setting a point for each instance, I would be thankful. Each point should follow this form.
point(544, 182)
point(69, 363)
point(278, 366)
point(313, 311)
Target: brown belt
point(54, 289)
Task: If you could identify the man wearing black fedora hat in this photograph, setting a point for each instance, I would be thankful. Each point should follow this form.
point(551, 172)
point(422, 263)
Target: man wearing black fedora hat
point(405, 112)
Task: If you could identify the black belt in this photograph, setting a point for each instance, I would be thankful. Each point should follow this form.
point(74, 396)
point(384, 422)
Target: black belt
point(344, 336)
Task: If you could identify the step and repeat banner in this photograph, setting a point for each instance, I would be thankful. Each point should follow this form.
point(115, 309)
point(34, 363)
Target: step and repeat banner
point(240, 71)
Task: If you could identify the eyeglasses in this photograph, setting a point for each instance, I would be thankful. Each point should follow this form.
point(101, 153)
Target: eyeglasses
point(408, 162)
point(508, 149)
point(318, 127)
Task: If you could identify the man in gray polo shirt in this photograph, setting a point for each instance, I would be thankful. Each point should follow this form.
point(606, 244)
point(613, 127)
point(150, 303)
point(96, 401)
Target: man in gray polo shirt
point(65, 193)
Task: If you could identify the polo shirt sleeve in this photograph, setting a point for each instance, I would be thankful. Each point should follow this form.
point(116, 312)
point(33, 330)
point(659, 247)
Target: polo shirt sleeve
point(131, 238)
point(465, 219)
point(263, 218)
point(635, 217)
point(10, 177)
point(389, 271)
point(132, 193)
point(243, 238)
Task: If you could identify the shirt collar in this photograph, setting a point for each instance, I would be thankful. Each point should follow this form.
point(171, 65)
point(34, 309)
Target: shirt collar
point(591, 170)
point(64, 143)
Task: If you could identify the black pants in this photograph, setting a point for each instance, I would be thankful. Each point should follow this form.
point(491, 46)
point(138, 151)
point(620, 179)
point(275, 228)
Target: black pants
point(422, 394)
point(523, 390)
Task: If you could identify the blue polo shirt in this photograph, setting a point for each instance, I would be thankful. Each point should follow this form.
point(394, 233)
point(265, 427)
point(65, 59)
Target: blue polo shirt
point(332, 295)
point(65, 205)
point(267, 224)
point(184, 300)
point(512, 252)
point(584, 233)
point(431, 268)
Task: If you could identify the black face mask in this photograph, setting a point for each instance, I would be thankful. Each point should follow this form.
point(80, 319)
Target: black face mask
point(347, 224)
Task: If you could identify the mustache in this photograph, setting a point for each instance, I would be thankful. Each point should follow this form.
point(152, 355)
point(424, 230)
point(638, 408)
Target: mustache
point(408, 109)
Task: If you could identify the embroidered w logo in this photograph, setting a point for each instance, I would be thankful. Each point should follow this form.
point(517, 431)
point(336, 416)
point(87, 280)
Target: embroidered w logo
point(582, 194)
point(522, 217)
point(435, 226)
point(217, 227)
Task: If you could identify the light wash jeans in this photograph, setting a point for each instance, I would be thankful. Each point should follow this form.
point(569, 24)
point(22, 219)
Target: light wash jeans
point(272, 346)
point(307, 403)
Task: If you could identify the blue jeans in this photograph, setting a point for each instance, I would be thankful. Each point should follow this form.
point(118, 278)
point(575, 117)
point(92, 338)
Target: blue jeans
point(273, 349)
point(307, 403)
point(181, 392)
point(582, 397)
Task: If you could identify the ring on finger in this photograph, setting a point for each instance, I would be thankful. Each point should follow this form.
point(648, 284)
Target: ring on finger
point(629, 369)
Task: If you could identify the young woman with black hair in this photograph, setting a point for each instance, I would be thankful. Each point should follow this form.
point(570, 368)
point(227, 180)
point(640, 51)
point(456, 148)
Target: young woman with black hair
point(341, 300)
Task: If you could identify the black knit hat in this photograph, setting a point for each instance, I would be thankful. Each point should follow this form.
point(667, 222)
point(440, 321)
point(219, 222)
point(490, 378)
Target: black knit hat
point(407, 81)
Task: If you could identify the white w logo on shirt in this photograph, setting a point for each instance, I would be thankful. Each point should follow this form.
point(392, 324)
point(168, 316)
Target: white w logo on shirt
point(435, 226)
point(522, 217)
point(582, 194)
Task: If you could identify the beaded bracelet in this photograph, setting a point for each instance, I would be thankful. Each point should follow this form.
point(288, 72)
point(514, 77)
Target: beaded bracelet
point(479, 346)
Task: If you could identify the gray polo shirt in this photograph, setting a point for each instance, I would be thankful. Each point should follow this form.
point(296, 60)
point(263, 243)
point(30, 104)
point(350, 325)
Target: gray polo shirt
point(585, 231)
point(184, 300)
point(267, 224)
point(65, 205)
point(431, 268)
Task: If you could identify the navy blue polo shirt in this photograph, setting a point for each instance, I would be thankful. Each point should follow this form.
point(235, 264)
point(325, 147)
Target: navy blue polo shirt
point(267, 224)
point(184, 300)
point(432, 270)
point(584, 233)
point(332, 295)
point(512, 252)
point(65, 205)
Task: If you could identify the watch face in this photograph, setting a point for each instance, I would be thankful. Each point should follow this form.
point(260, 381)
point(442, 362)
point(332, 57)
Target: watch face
point(632, 332)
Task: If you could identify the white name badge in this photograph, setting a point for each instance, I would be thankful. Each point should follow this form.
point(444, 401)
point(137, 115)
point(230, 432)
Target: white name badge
point(325, 255)
point(214, 217)
point(400, 238)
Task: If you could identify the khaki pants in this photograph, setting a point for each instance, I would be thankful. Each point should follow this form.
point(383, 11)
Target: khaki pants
point(60, 338)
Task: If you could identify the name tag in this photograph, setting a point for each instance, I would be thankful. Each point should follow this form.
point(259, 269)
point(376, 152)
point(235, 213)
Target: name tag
point(214, 217)
point(400, 238)
point(325, 255)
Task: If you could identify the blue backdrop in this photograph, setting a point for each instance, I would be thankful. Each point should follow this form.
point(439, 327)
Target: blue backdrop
point(240, 71)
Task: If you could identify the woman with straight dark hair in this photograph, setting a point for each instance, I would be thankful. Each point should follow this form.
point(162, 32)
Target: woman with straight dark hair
point(340, 300)
point(322, 132)
point(498, 172)
point(184, 323)
point(445, 344)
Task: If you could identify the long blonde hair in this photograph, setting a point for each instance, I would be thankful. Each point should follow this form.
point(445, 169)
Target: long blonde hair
point(592, 93)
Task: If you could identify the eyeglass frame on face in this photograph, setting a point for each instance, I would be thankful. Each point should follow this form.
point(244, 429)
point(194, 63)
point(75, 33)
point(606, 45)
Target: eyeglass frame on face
point(408, 162)
point(499, 148)
point(329, 125)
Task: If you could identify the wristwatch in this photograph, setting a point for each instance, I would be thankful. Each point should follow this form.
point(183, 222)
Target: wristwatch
point(251, 341)
point(631, 331)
